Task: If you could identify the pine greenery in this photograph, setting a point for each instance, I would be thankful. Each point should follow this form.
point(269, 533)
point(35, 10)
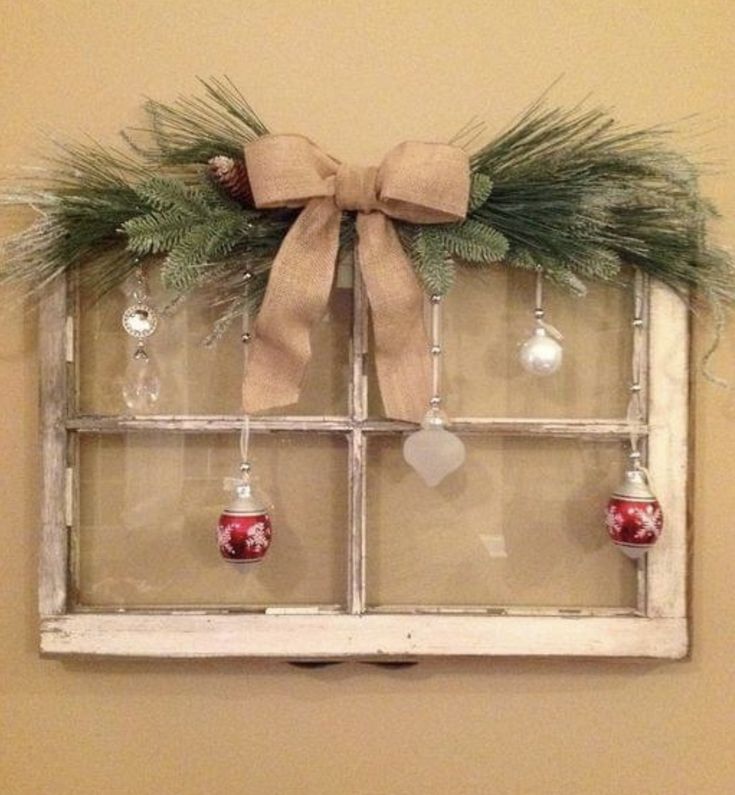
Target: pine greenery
point(567, 192)
point(573, 191)
point(433, 267)
point(481, 187)
point(194, 225)
point(195, 129)
point(472, 242)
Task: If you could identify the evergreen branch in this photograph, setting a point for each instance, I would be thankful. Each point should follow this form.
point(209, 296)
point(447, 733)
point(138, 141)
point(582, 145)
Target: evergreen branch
point(195, 129)
point(574, 190)
point(433, 268)
point(472, 241)
point(156, 232)
point(481, 187)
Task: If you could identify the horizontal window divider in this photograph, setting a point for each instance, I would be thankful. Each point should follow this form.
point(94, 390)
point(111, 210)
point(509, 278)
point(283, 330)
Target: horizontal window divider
point(511, 611)
point(210, 610)
point(509, 426)
point(585, 428)
point(92, 423)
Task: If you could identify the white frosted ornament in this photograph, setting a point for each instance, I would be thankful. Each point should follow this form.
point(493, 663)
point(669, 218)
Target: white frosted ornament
point(433, 452)
point(541, 354)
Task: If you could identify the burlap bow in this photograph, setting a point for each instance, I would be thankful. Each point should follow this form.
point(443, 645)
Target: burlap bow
point(417, 182)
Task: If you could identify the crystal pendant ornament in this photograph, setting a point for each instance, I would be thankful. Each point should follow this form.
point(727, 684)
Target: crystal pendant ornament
point(244, 529)
point(139, 320)
point(634, 519)
point(434, 452)
point(142, 383)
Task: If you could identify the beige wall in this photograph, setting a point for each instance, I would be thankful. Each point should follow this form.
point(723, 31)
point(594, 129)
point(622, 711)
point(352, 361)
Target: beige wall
point(358, 77)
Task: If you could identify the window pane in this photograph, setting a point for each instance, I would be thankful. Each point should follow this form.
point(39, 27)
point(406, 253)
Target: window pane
point(489, 314)
point(521, 523)
point(196, 379)
point(149, 505)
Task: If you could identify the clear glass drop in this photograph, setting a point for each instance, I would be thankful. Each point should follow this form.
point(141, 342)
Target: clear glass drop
point(142, 384)
point(433, 452)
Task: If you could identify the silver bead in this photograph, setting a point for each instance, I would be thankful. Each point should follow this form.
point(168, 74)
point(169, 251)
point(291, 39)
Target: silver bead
point(246, 337)
point(436, 350)
point(436, 299)
point(247, 276)
point(541, 354)
point(245, 468)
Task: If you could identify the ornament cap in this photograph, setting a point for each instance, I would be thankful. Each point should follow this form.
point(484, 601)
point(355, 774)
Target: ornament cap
point(245, 501)
point(634, 486)
point(434, 418)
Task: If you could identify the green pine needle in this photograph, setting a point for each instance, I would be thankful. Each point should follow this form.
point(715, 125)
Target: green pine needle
point(481, 187)
point(472, 241)
point(195, 129)
point(434, 269)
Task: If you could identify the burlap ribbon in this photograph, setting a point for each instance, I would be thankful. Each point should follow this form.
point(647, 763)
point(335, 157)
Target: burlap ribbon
point(417, 182)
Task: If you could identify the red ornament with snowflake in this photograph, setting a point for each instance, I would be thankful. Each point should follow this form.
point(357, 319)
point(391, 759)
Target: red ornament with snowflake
point(634, 519)
point(244, 531)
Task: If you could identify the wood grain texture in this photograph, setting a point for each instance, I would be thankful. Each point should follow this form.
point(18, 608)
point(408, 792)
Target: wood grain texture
point(350, 636)
point(668, 451)
point(356, 476)
point(582, 428)
point(53, 553)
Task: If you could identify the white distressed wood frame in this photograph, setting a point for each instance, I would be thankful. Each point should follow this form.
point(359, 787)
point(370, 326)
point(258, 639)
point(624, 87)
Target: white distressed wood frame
point(656, 629)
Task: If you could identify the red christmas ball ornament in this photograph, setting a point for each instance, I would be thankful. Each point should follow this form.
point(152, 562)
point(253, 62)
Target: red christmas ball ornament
point(244, 531)
point(634, 519)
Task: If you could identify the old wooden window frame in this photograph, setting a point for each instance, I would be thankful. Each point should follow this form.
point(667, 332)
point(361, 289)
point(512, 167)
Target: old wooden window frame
point(656, 628)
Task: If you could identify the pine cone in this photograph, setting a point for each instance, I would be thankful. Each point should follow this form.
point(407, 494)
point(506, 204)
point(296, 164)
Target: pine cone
point(232, 176)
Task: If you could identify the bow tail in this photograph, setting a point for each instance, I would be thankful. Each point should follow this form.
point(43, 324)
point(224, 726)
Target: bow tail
point(402, 356)
point(296, 299)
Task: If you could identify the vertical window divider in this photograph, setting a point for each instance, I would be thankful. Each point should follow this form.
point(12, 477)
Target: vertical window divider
point(641, 309)
point(357, 446)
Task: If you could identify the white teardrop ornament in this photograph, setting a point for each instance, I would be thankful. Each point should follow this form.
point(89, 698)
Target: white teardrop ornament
point(434, 452)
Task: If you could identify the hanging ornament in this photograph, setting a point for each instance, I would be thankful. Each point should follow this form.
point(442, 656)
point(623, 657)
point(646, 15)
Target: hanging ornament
point(244, 530)
point(541, 354)
point(634, 518)
point(434, 452)
point(141, 383)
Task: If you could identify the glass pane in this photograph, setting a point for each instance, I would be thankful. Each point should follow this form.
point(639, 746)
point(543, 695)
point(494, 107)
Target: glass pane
point(149, 505)
point(489, 314)
point(521, 523)
point(196, 379)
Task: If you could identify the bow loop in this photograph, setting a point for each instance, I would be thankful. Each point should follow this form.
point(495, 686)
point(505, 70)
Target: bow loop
point(425, 183)
point(288, 171)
